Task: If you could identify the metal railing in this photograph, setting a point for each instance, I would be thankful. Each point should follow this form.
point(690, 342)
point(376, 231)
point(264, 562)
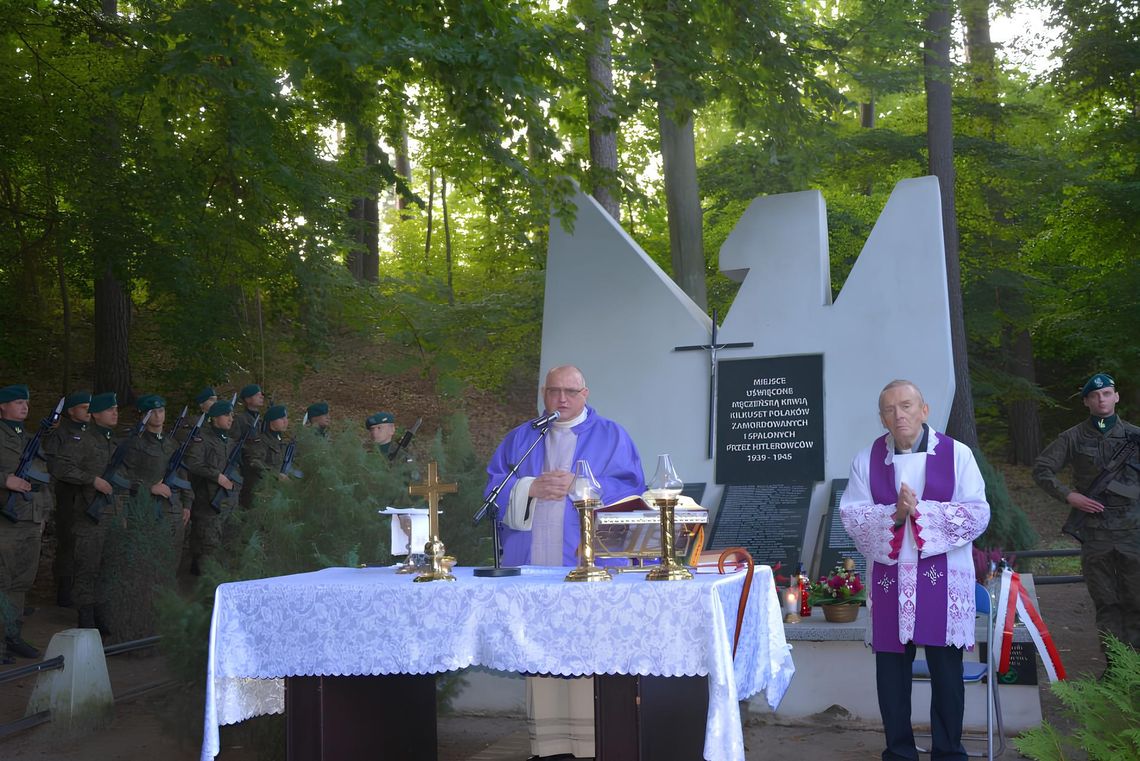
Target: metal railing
point(1056, 553)
point(53, 664)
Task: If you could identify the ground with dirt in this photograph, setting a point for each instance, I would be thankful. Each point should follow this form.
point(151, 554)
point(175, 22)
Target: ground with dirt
point(165, 722)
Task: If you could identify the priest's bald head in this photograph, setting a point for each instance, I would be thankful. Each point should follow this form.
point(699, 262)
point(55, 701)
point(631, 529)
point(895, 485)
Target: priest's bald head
point(565, 391)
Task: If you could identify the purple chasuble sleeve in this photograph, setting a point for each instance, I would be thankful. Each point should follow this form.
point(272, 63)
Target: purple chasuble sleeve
point(601, 442)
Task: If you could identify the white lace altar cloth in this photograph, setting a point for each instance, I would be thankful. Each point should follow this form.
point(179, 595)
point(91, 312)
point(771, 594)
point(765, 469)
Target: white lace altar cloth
point(348, 621)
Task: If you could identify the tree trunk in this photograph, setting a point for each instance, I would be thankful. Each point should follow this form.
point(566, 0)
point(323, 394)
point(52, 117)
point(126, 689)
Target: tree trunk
point(1024, 421)
point(940, 145)
point(599, 109)
point(65, 303)
point(446, 239)
point(112, 300)
point(112, 337)
point(683, 202)
point(403, 168)
point(430, 209)
point(364, 214)
point(867, 121)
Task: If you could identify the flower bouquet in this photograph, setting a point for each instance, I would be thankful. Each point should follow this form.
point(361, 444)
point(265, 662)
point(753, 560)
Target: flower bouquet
point(841, 590)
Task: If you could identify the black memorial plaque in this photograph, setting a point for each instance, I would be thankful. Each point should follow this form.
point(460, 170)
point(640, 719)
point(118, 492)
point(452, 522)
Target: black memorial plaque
point(767, 520)
point(836, 543)
point(769, 420)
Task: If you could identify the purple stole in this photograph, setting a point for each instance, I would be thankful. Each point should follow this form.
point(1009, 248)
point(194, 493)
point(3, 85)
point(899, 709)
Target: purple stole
point(930, 594)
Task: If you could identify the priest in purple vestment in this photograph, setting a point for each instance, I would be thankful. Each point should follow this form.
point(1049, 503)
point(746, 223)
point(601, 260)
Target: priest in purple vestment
point(914, 504)
point(538, 524)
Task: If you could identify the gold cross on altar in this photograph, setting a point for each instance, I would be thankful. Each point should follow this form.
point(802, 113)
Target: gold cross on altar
point(431, 488)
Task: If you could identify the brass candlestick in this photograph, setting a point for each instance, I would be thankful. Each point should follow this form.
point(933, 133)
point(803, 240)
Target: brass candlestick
point(670, 569)
point(665, 491)
point(586, 570)
point(586, 494)
point(434, 549)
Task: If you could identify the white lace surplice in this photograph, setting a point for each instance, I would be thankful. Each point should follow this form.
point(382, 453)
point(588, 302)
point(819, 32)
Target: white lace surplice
point(344, 621)
point(945, 527)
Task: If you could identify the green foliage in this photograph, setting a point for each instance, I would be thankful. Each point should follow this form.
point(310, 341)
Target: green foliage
point(138, 565)
point(1009, 527)
point(1106, 712)
point(327, 519)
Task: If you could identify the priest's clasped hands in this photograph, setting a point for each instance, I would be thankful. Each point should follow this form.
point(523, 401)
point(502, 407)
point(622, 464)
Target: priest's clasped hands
point(552, 485)
point(906, 505)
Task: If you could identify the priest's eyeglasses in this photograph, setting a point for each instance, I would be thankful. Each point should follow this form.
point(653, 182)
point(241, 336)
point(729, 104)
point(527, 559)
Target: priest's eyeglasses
point(556, 392)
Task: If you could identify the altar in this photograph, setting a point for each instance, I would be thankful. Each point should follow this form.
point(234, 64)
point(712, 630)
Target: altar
point(371, 621)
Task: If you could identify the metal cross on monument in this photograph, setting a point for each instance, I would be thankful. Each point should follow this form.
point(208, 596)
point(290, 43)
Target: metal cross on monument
point(431, 488)
point(712, 347)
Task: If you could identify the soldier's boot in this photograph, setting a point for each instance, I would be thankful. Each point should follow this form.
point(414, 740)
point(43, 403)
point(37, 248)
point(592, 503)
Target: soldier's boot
point(5, 659)
point(63, 592)
point(20, 647)
point(86, 617)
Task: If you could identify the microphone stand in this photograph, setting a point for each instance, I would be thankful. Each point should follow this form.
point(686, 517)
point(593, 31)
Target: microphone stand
point(490, 505)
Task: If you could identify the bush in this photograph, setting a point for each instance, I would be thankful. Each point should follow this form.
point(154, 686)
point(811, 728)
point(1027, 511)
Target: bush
point(1009, 527)
point(326, 519)
point(1106, 712)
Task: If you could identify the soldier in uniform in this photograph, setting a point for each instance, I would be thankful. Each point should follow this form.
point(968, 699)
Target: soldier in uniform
point(78, 467)
point(205, 398)
point(318, 414)
point(381, 428)
point(206, 460)
point(72, 425)
point(1110, 534)
point(145, 467)
point(254, 399)
point(19, 538)
point(266, 452)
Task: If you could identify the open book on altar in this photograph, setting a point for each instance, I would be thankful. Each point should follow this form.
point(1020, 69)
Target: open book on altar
point(631, 528)
point(410, 528)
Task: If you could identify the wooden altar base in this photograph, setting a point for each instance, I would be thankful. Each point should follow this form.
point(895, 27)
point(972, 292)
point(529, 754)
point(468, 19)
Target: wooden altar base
point(647, 718)
point(376, 718)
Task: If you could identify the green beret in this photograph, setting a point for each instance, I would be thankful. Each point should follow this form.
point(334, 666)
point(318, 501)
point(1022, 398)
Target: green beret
point(378, 418)
point(251, 390)
point(104, 401)
point(12, 393)
point(1100, 380)
point(316, 409)
point(276, 412)
point(204, 395)
point(76, 398)
point(220, 407)
point(149, 402)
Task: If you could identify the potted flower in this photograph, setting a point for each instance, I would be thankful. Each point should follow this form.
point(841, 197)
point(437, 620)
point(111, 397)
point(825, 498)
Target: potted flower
point(839, 594)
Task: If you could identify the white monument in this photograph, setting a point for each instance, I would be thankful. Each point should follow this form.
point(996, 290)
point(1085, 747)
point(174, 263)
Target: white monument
point(613, 312)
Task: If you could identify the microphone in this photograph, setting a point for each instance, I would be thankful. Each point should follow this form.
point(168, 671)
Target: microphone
point(544, 421)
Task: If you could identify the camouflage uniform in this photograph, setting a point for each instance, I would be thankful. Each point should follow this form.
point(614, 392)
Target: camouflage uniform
point(82, 454)
point(19, 540)
point(1110, 550)
point(144, 466)
point(265, 455)
point(205, 460)
point(245, 421)
point(63, 567)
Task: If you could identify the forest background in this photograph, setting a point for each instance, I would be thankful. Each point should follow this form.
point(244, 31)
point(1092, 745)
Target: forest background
point(220, 192)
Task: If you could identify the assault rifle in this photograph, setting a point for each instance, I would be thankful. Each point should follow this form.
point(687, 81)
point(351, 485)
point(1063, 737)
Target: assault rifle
point(25, 470)
point(178, 422)
point(172, 479)
point(405, 440)
point(232, 470)
point(1122, 457)
point(111, 472)
point(287, 466)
